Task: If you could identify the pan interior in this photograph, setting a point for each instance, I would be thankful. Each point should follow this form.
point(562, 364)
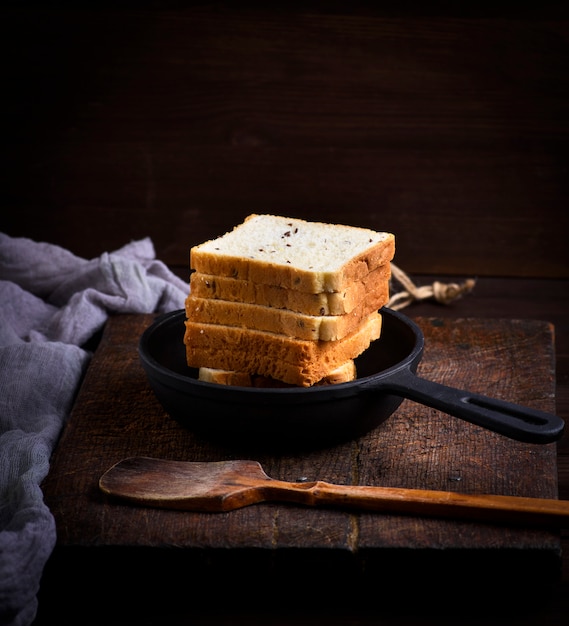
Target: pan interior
point(396, 344)
point(163, 344)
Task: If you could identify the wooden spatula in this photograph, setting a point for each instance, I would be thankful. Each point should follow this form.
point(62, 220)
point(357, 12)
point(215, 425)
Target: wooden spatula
point(228, 485)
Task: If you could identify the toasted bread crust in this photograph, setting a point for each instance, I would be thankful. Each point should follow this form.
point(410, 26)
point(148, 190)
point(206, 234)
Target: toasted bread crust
point(290, 323)
point(295, 361)
point(323, 303)
point(311, 257)
point(342, 374)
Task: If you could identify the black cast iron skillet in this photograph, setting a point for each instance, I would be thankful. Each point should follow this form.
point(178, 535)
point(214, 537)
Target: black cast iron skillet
point(320, 416)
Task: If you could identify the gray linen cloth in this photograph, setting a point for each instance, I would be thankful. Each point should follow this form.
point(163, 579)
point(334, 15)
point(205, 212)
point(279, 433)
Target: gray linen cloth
point(51, 303)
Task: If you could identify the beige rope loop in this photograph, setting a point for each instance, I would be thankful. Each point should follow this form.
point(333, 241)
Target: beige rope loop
point(445, 293)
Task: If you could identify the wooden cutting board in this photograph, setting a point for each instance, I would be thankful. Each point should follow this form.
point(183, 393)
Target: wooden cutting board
point(116, 415)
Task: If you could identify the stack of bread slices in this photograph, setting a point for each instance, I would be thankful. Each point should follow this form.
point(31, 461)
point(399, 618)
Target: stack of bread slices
point(281, 301)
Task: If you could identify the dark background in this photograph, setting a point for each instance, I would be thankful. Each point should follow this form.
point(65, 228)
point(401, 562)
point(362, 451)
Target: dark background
point(445, 124)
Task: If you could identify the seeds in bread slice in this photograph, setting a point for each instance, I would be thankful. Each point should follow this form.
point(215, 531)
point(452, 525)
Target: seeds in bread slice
point(295, 361)
point(312, 257)
point(323, 303)
point(283, 321)
point(342, 374)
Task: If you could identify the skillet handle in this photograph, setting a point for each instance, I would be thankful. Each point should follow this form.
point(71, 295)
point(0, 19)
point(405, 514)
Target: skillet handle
point(512, 420)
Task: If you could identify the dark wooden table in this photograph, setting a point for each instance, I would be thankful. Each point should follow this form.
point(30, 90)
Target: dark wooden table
point(131, 564)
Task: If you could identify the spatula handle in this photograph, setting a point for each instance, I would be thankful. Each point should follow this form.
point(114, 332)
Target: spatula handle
point(487, 508)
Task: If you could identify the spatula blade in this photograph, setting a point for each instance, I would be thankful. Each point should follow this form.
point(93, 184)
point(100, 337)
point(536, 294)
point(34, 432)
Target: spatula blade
point(185, 485)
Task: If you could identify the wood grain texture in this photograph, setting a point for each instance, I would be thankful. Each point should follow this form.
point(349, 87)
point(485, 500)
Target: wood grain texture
point(117, 415)
point(398, 586)
point(449, 130)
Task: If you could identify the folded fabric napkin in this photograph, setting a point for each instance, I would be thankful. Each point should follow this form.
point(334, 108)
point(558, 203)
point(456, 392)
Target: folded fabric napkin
point(51, 303)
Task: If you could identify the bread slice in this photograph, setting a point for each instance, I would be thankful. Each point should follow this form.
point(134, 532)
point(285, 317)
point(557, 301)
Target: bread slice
point(295, 361)
point(342, 374)
point(323, 303)
point(311, 257)
point(290, 323)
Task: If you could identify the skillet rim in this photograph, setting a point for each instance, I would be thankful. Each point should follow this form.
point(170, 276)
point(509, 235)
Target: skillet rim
point(186, 383)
